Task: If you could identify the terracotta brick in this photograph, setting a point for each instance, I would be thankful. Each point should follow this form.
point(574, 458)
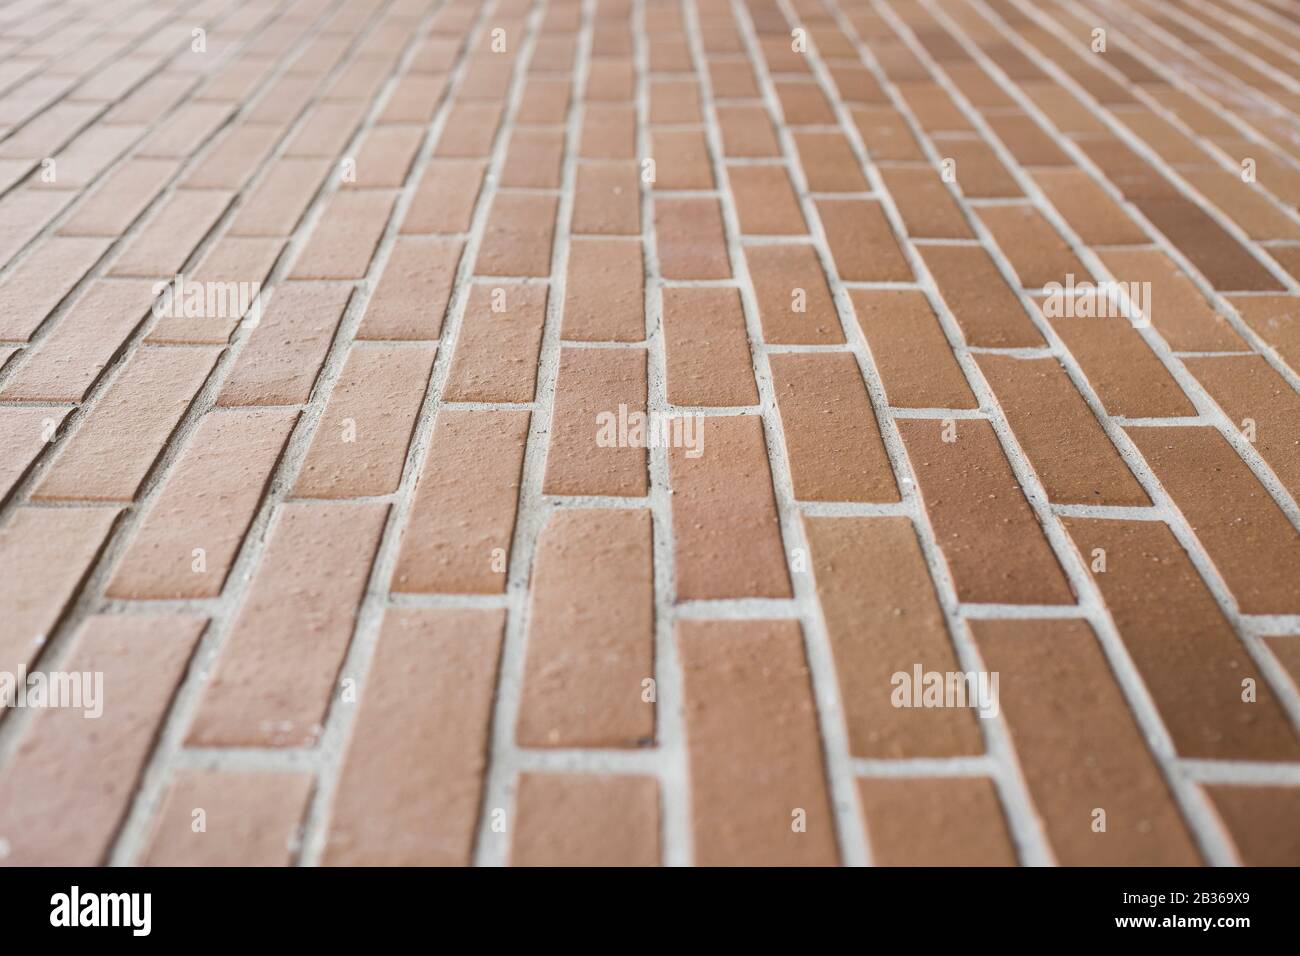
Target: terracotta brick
point(496, 352)
point(1176, 307)
point(883, 617)
point(989, 537)
point(933, 108)
point(681, 160)
point(65, 791)
point(186, 130)
point(1242, 203)
point(411, 297)
point(457, 535)
point(345, 237)
point(445, 198)
point(359, 446)
point(25, 212)
point(978, 171)
point(752, 741)
point(747, 132)
point(41, 281)
point(886, 134)
point(47, 552)
point(690, 240)
point(912, 355)
point(829, 164)
point(732, 78)
point(518, 235)
point(468, 130)
point(606, 200)
point(594, 445)
point(831, 437)
point(707, 349)
point(1026, 141)
point(927, 207)
point(166, 241)
point(82, 161)
point(544, 102)
point(1059, 434)
point(415, 99)
point(409, 791)
point(1260, 821)
point(231, 162)
point(1097, 218)
point(569, 819)
point(119, 199)
point(794, 301)
point(1225, 264)
point(108, 456)
point(276, 205)
point(1250, 540)
point(803, 103)
point(862, 243)
point(608, 132)
point(1276, 320)
point(1082, 757)
point(590, 633)
point(282, 357)
point(25, 431)
point(249, 819)
point(271, 684)
point(986, 310)
point(325, 131)
point(766, 203)
point(604, 298)
point(533, 159)
point(935, 821)
point(1189, 658)
point(68, 360)
point(723, 505)
point(1248, 390)
point(1036, 251)
point(229, 459)
point(674, 102)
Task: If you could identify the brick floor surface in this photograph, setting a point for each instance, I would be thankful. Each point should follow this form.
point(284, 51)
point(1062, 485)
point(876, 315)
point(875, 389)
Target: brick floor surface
point(649, 431)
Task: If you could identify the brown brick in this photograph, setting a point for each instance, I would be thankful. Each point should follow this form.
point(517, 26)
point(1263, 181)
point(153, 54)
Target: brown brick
point(415, 99)
point(444, 200)
point(607, 200)
point(978, 171)
point(986, 310)
point(496, 352)
point(249, 819)
point(1036, 251)
point(1176, 307)
point(1068, 449)
point(1246, 534)
point(886, 134)
point(590, 633)
point(882, 618)
point(1276, 320)
point(608, 132)
point(1089, 210)
point(1224, 262)
point(1086, 756)
point(674, 102)
point(65, 790)
point(409, 791)
point(989, 537)
point(570, 819)
point(596, 446)
point(271, 685)
point(457, 535)
point(829, 164)
point(707, 349)
point(533, 159)
point(681, 160)
point(831, 436)
point(544, 102)
point(723, 506)
point(794, 301)
point(1026, 141)
point(935, 821)
point(518, 236)
point(690, 240)
point(359, 446)
point(766, 203)
point(928, 209)
point(803, 103)
point(1261, 821)
point(282, 357)
point(862, 243)
point(912, 355)
point(1184, 648)
point(118, 442)
point(229, 460)
point(604, 299)
point(46, 552)
point(747, 132)
point(753, 745)
point(84, 339)
point(1245, 387)
point(411, 297)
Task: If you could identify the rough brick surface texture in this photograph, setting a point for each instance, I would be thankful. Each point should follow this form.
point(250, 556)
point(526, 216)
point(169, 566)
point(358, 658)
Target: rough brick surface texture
point(650, 432)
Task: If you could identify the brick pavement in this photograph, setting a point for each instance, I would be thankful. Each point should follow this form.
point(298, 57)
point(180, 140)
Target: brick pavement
point(574, 430)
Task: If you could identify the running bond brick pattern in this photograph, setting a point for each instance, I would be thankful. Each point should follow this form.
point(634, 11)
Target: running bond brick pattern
point(313, 314)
